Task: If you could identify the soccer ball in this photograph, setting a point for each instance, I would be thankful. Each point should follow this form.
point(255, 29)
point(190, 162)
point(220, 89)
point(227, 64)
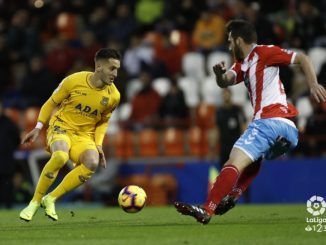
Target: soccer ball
point(132, 199)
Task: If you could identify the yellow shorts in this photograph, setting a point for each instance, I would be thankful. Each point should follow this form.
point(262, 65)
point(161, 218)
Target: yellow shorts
point(77, 143)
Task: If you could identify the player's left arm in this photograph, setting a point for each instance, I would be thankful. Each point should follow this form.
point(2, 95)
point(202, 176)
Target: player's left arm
point(100, 131)
point(275, 56)
point(316, 90)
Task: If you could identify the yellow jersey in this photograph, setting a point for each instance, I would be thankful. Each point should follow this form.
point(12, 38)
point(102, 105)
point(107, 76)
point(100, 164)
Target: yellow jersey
point(82, 106)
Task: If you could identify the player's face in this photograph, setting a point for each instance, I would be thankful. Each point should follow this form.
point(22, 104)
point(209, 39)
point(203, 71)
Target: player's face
point(235, 47)
point(108, 70)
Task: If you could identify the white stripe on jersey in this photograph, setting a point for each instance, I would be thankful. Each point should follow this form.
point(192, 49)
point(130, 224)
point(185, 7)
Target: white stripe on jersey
point(272, 88)
point(252, 79)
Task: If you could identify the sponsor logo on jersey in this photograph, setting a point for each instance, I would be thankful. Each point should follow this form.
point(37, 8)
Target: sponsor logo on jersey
point(86, 110)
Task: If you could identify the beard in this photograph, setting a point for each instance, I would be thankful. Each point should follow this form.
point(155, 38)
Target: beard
point(106, 80)
point(237, 53)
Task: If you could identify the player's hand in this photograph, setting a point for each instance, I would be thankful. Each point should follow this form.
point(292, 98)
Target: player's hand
point(318, 92)
point(31, 136)
point(219, 69)
point(102, 156)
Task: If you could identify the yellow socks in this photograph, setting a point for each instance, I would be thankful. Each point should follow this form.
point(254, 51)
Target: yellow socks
point(49, 174)
point(72, 180)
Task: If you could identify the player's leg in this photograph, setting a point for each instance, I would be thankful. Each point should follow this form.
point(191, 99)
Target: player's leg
point(245, 179)
point(223, 185)
point(59, 157)
point(283, 139)
point(240, 157)
point(83, 152)
point(227, 179)
point(80, 174)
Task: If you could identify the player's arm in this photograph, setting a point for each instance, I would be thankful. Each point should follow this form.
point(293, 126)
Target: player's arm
point(100, 131)
point(316, 90)
point(275, 56)
point(61, 93)
point(42, 119)
point(224, 78)
point(101, 127)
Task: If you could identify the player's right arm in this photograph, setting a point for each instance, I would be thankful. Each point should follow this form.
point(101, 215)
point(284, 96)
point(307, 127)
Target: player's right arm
point(226, 78)
point(59, 94)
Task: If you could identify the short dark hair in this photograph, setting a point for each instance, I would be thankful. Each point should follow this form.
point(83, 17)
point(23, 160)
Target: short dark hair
point(106, 53)
point(243, 29)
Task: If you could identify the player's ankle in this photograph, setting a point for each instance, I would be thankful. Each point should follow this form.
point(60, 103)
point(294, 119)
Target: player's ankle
point(236, 193)
point(210, 208)
point(52, 198)
point(34, 202)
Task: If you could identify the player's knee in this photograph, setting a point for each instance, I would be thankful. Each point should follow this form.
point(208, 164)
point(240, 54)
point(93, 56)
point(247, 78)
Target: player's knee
point(90, 159)
point(91, 163)
point(60, 157)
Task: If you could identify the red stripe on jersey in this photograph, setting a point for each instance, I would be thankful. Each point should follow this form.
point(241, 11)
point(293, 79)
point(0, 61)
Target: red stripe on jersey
point(249, 89)
point(259, 84)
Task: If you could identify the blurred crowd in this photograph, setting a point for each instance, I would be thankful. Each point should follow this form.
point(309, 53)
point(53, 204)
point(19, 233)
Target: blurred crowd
point(41, 41)
point(168, 50)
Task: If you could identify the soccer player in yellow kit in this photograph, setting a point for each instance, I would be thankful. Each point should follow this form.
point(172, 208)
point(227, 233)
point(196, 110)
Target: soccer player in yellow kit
point(85, 102)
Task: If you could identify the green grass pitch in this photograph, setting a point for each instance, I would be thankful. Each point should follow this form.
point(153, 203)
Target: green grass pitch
point(252, 224)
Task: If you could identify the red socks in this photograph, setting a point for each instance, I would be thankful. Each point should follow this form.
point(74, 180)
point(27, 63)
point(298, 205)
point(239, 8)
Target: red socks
point(229, 182)
point(223, 185)
point(246, 178)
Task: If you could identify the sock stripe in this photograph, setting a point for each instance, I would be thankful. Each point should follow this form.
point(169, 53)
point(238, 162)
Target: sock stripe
point(231, 167)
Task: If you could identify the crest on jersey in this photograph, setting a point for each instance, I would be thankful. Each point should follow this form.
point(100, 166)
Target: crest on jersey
point(105, 101)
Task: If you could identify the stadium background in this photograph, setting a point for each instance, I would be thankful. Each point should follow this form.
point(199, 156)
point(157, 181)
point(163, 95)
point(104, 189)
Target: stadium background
point(172, 155)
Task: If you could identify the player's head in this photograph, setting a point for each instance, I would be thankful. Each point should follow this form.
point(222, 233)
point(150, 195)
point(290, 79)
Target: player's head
point(240, 33)
point(107, 63)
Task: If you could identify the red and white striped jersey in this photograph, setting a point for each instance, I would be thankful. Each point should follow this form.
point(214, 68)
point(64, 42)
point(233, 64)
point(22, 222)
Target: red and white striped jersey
point(260, 73)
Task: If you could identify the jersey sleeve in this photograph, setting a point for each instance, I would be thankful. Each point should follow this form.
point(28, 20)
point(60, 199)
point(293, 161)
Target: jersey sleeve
point(274, 55)
point(236, 70)
point(62, 91)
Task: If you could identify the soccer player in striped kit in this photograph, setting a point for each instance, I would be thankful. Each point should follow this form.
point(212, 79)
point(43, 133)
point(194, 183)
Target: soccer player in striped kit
point(271, 133)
